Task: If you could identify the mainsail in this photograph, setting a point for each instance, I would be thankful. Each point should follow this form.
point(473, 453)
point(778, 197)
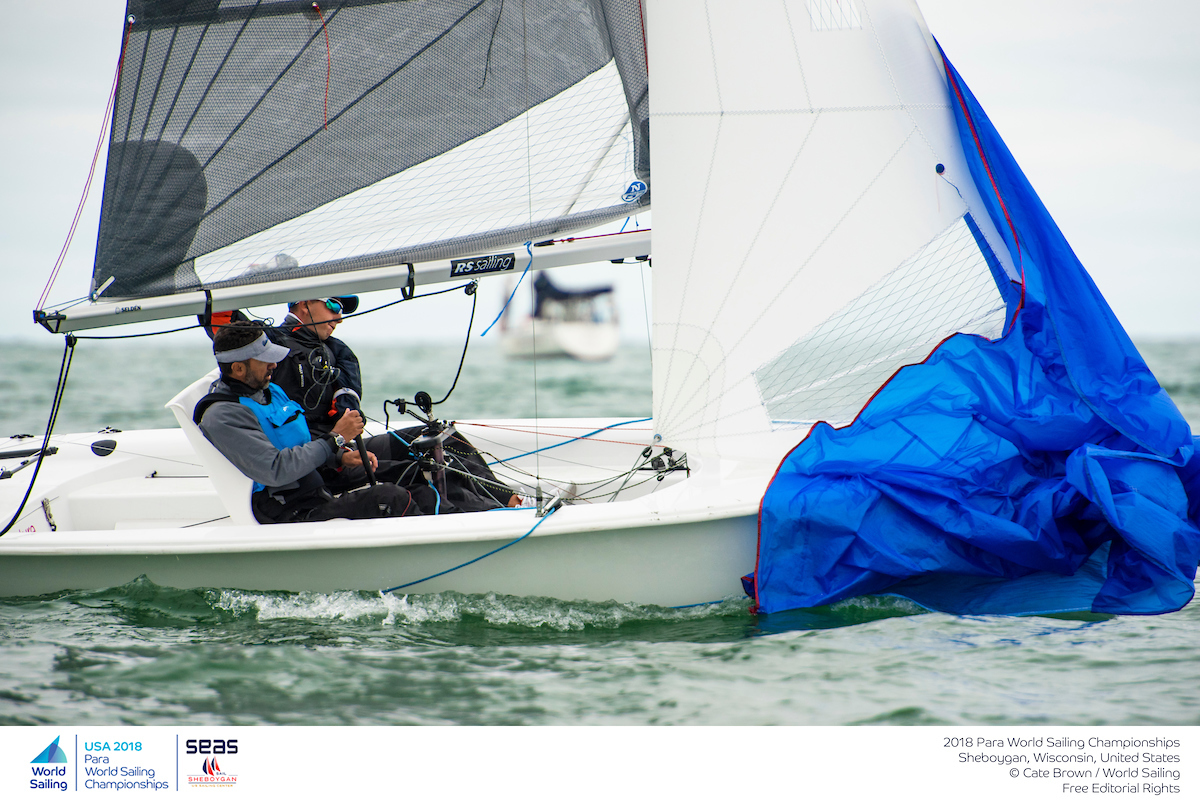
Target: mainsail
point(360, 133)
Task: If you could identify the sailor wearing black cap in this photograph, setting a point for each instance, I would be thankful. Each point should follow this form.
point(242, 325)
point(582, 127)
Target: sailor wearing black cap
point(320, 372)
point(323, 375)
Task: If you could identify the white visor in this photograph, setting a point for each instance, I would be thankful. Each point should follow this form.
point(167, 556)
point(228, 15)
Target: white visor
point(262, 349)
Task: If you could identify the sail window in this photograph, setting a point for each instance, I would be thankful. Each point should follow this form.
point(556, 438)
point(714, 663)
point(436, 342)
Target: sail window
point(833, 15)
point(830, 373)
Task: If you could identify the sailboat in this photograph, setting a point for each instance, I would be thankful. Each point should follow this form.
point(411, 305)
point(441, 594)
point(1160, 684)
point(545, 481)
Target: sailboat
point(877, 365)
point(579, 324)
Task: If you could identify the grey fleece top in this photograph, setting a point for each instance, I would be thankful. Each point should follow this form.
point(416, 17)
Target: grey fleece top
point(234, 430)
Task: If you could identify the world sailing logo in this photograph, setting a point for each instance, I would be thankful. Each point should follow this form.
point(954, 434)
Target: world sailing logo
point(211, 775)
point(42, 777)
point(52, 754)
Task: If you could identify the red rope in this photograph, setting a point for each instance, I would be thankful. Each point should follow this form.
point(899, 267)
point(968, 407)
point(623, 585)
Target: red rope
point(87, 185)
point(560, 428)
point(962, 103)
point(551, 434)
point(601, 236)
point(328, 61)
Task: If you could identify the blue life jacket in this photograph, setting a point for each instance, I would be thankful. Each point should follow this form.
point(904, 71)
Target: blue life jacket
point(281, 419)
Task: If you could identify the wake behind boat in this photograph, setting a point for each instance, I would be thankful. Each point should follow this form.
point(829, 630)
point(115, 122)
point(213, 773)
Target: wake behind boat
point(877, 365)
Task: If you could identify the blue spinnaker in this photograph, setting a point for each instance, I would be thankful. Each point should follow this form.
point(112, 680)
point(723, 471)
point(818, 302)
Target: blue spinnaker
point(1044, 471)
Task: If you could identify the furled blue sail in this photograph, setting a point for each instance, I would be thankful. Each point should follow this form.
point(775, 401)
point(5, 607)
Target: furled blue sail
point(1042, 471)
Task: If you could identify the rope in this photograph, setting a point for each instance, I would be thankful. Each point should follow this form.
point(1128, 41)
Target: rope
point(466, 344)
point(328, 60)
point(529, 249)
point(63, 370)
point(302, 325)
point(543, 519)
point(622, 232)
point(569, 438)
point(150, 334)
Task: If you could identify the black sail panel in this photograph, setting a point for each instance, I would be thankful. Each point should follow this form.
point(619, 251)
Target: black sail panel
point(232, 117)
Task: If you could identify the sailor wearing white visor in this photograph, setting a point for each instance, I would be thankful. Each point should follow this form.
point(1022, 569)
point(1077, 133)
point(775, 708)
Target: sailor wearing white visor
point(261, 431)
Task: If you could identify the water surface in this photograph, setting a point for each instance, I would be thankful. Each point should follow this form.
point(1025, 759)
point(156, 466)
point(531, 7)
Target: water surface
point(144, 654)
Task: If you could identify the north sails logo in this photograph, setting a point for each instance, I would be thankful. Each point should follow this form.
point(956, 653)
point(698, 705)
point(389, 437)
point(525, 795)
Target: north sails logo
point(634, 192)
point(211, 775)
point(42, 777)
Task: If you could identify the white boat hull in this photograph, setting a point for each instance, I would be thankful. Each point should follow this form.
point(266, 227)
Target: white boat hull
point(548, 339)
point(145, 510)
point(663, 564)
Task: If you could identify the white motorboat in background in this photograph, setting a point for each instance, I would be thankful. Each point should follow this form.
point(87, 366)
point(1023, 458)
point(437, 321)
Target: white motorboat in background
point(577, 324)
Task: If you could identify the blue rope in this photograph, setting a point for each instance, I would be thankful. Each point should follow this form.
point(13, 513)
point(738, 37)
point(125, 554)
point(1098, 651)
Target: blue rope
point(529, 249)
point(477, 558)
point(947, 180)
point(568, 442)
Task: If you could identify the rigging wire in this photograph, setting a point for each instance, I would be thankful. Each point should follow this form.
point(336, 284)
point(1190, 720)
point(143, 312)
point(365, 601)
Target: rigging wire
point(646, 310)
point(148, 334)
point(87, 185)
point(269, 321)
point(59, 389)
point(528, 246)
point(568, 437)
point(484, 483)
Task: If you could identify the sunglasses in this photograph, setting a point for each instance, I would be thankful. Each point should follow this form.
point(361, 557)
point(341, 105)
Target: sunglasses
point(333, 304)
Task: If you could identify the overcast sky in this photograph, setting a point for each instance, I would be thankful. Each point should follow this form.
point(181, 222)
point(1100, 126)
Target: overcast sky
point(1098, 100)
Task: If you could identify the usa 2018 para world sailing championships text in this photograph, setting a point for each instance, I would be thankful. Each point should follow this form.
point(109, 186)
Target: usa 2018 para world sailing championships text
point(497, 263)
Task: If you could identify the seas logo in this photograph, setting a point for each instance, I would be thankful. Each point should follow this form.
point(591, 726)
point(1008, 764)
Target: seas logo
point(44, 778)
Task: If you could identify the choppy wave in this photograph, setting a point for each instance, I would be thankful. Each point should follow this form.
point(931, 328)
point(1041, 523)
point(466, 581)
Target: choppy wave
point(451, 607)
point(146, 654)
